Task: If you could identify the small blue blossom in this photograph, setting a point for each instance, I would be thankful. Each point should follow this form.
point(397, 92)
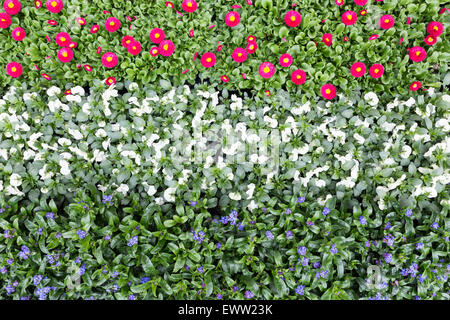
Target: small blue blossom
point(132, 297)
point(133, 241)
point(37, 279)
point(77, 260)
point(289, 234)
point(219, 296)
point(50, 215)
point(326, 211)
point(420, 245)
point(235, 288)
point(10, 289)
point(435, 225)
point(200, 269)
point(145, 280)
point(362, 220)
point(288, 211)
point(388, 257)
point(82, 234)
point(224, 220)
point(107, 199)
point(316, 265)
point(107, 237)
point(269, 235)
point(300, 290)
point(388, 226)
point(408, 212)
point(305, 262)
point(333, 249)
point(3, 270)
point(82, 269)
point(367, 244)
point(115, 274)
point(301, 250)
point(301, 199)
point(193, 203)
point(218, 245)
point(248, 294)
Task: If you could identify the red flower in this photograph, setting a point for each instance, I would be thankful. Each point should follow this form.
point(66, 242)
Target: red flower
point(46, 76)
point(157, 35)
point(95, 28)
point(386, 21)
point(266, 70)
point(37, 4)
point(239, 55)
point(232, 19)
point(99, 50)
point(68, 92)
point(249, 2)
point(327, 38)
point(208, 59)
point(65, 54)
point(298, 77)
point(251, 38)
point(73, 45)
point(376, 70)
point(408, 21)
point(373, 37)
point(189, 5)
point(345, 39)
point(52, 22)
point(435, 28)
point(63, 39)
point(134, 48)
point(191, 33)
point(219, 48)
point(339, 2)
point(5, 20)
point(349, 18)
point(166, 48)
point(18, 34)
point(292, 18)
point(358, 69)
point(195, 55)
point(154, 51)
point(363, 12)
point(48, 38)
point(285, 60)
point(251, 47)
point(12, 7)
point(224, 78)
point(54, 6)
point(415, 86)
point(360, 2)
point(87, 67)
point(328, 91)
point(267, 92)
point(109, 60)
point(430, 40)
point(169, 4)
point(14, 69)
point(417, 54)
point(81, 21)
point(126, 40)
point(112, 24)
point(110, 81)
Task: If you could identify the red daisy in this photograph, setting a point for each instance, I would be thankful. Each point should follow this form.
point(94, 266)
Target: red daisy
point(191, 33)
point(166, 48)
point(68, 92)
point(376, 70)
point(430, 40)
point(266, 70)
point(109, 60)
point(251, 47)
point(327, 38)
point(134, 48)
point(87, 67)
point(63, 39)
point(208, 59)
point(339, 2)
point(112, 24)
point(169, 4)
point(285, 60)
point(360, 2)
point(37, 4)
point(345, 39)
point(435, 28)
point(54, 6)
point(157, 35)
point(298, 77)
point(14, 69)
point(65, 54)
point(95, 28)
point(251, 38)
point(224, 78)
point(363, 12)
point(267, 92)
point(415, 86)
point(46, 76)
point(386, 21)
point(232, 19)
point(99, 50)
point(73, 45)
point(328, 91)
point(81, 21)
point(292, 18)
point(110, 81)
point(5, 20)
point(239, 55)
point(358, 69)
point(373, 37)
point(18, 34)
point(126, 40)
point(154, 51)
point(219, 47)
point(349, 18)
point(189, 5)
point(12, 7)
point(417, 54)
point(52, 22)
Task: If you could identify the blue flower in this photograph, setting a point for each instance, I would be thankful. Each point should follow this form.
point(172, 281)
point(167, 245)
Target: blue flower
point(435, 225)
point(132, 297)
point(241, 226)
point(133, 241)
point(82, 270)
point(193, 203)
point(200, 269)
point(289, 234)
point(218, 245)
point(248, 294)
point(235, 288)
point(219, 296)
point(305, 262)
point(388, 226)
point(301, 250)
point(145, 280)
point(367, 244)
point(37, 279)
point(25, 250)
point(3, 270)
point(362, 220)
point(333, 249)
point(300, 290)
point(115, 274)
point(288, 211)
point(388, 257)
point(269, 235)
point(107, 237)
point(316, 265)
point(82, 234)
point(224, 220)
point(389, 240)
point(107, 198)
point(77, 260)
point(326, 211)
point(301, 199)
point(420, 245)
point(50, 215)
point(409, 212)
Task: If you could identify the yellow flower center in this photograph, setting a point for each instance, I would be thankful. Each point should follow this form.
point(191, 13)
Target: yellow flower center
point(18, 33)
point(156, 35)
point(292, 18)
point(358, 69)
point(208, 59)
point(128, 41)
point(326, 39)
point(286, 60)
point(349, 17)
point(386, 20)
point(251, 47)
point(435, 28)
point(328, 91)
point(109, 59)
point(11, 5)
point(64, 54)
point(232, 18)
point(111, 23)
point(62, 39)
point(154, 51)
point(299, 77)
point(251, 38)
point(418, 53)
point(376, 71)
point(80, 21)
point(266, 69)
point(134, 47)
point(3, 20)
point(189, 4)
point(54, 4)
point(166, 47)
point(13, 69)
point(239, 54)
point(414, 85)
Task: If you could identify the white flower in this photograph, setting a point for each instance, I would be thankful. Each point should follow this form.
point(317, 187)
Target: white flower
point(371, 98)
point(101, 133)
point(252, 205)
point(123, 188)
point(64, 142)
point(53, 91)
point(406, 151)
point(169, 194)
point(4, 154)
point(65, 170)
point(234, 196)
point(77, 90)
point(15, 180)
point(151, 190)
